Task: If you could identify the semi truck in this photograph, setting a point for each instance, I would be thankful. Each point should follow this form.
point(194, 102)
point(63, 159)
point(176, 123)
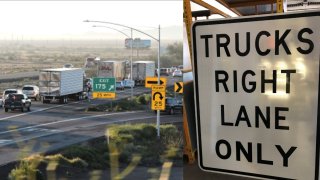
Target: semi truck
point(137, 43)
point(61, 84)
point(116, 69)
point(141, 70)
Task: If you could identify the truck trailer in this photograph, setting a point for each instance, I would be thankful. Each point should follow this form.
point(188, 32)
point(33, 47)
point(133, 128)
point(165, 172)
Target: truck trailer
point(61, 84)
point(141, 70)
point(137, 43)
point(116, 69)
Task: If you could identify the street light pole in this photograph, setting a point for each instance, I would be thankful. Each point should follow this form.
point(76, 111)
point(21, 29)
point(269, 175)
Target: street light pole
point(131, 65)
point(158, 111)
point(158, 40)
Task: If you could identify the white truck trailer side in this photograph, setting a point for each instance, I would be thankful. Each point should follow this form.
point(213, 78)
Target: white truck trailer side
point(141, 70)
point(116, 69)
point(61, 84)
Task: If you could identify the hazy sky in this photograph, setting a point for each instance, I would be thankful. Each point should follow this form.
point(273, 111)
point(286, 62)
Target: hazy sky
point(64, 19)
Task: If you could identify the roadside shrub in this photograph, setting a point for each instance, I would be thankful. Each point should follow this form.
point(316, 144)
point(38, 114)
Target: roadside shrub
point(170, 135)
point(142, 139)
point(88, 154)
point(142, 100)
point(25, 172)
point(149, 132)
point(28, 168)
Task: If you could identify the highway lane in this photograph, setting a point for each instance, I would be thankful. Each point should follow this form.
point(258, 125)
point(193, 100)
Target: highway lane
point(21, 142)
point(51, 126)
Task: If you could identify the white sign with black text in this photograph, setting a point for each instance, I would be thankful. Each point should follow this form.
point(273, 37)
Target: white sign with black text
point(257, 95)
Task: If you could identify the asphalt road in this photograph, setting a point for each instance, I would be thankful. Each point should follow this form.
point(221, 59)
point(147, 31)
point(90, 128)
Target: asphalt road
point(52, 126)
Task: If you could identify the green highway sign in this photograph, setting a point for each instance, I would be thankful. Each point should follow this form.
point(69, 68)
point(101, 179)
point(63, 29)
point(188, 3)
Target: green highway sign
point(104, 84)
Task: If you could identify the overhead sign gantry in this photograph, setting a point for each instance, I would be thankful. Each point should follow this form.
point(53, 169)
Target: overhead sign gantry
point(257, 95)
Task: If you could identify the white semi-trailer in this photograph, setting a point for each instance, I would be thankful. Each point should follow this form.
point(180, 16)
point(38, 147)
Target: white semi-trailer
point(61, 84)
point(141, 70)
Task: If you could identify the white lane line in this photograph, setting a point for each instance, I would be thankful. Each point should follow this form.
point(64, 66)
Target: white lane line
point(70, 129)
point(39, 110)
point(67, 120)
point(5, 141)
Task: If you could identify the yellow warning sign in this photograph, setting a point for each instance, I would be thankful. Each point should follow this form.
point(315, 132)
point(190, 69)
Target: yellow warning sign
point(178, 87)
point(279, 6)
point(107, 95)
point(158, 97)
point(150, 81)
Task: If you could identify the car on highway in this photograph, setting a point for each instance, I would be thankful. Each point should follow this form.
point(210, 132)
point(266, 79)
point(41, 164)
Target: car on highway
point(17, 101)
point(119, 85)
point(32, 91)
point(177, 73)
point(127, 83)
point(163, 72)
point(172, 106)
point(9, 91)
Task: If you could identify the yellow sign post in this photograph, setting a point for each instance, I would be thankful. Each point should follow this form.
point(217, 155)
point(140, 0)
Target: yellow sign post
point(150, 81)
point(158, 97)
point(103, 95)
point(178, 87)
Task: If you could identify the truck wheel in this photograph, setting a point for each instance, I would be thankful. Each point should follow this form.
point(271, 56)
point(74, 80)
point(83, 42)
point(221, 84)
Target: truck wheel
point(171, 112)
point(22, 109)
point(6, 109)
point(65, 100)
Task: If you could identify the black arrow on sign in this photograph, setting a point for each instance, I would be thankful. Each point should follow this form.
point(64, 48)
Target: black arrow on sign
point(155, 82)
point(179, 87)
point(154, 95)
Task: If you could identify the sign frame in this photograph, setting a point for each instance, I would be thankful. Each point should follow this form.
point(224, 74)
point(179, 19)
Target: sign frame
point(196, 92)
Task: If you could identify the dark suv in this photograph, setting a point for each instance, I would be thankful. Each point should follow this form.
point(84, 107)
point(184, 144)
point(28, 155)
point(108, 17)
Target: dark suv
point(173, 106)
point(17, 101)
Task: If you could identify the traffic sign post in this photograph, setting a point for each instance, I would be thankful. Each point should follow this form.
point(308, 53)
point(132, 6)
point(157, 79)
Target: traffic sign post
point(158, 97)
point(104, 87)
point(257, 95)
point(178, 87)
point(150, 81)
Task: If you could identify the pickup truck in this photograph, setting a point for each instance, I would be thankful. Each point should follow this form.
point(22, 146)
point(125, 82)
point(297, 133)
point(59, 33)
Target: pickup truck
point(172, 106)
point(17, 101)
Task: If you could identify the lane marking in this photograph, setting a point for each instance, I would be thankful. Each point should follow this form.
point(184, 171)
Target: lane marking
point(165, 172)
point(4, 141)
point(39, 110)
point(67, 120)
point(70, 129)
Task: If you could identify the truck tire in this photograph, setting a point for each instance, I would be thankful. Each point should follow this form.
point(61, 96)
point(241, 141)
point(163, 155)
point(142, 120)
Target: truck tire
point(22, 109)
point(65, 100)
point(171, 112)
point(44, 101)
point(37, 98)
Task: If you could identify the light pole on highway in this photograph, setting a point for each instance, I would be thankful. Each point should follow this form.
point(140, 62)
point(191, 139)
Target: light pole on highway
point(156, 39)
point(131, 50)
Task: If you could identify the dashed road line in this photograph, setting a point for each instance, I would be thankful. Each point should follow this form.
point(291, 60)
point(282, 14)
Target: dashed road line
point(67, 120)
point(70, 129)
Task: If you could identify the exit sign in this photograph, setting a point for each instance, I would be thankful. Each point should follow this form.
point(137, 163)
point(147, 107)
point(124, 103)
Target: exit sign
point(104, 84)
